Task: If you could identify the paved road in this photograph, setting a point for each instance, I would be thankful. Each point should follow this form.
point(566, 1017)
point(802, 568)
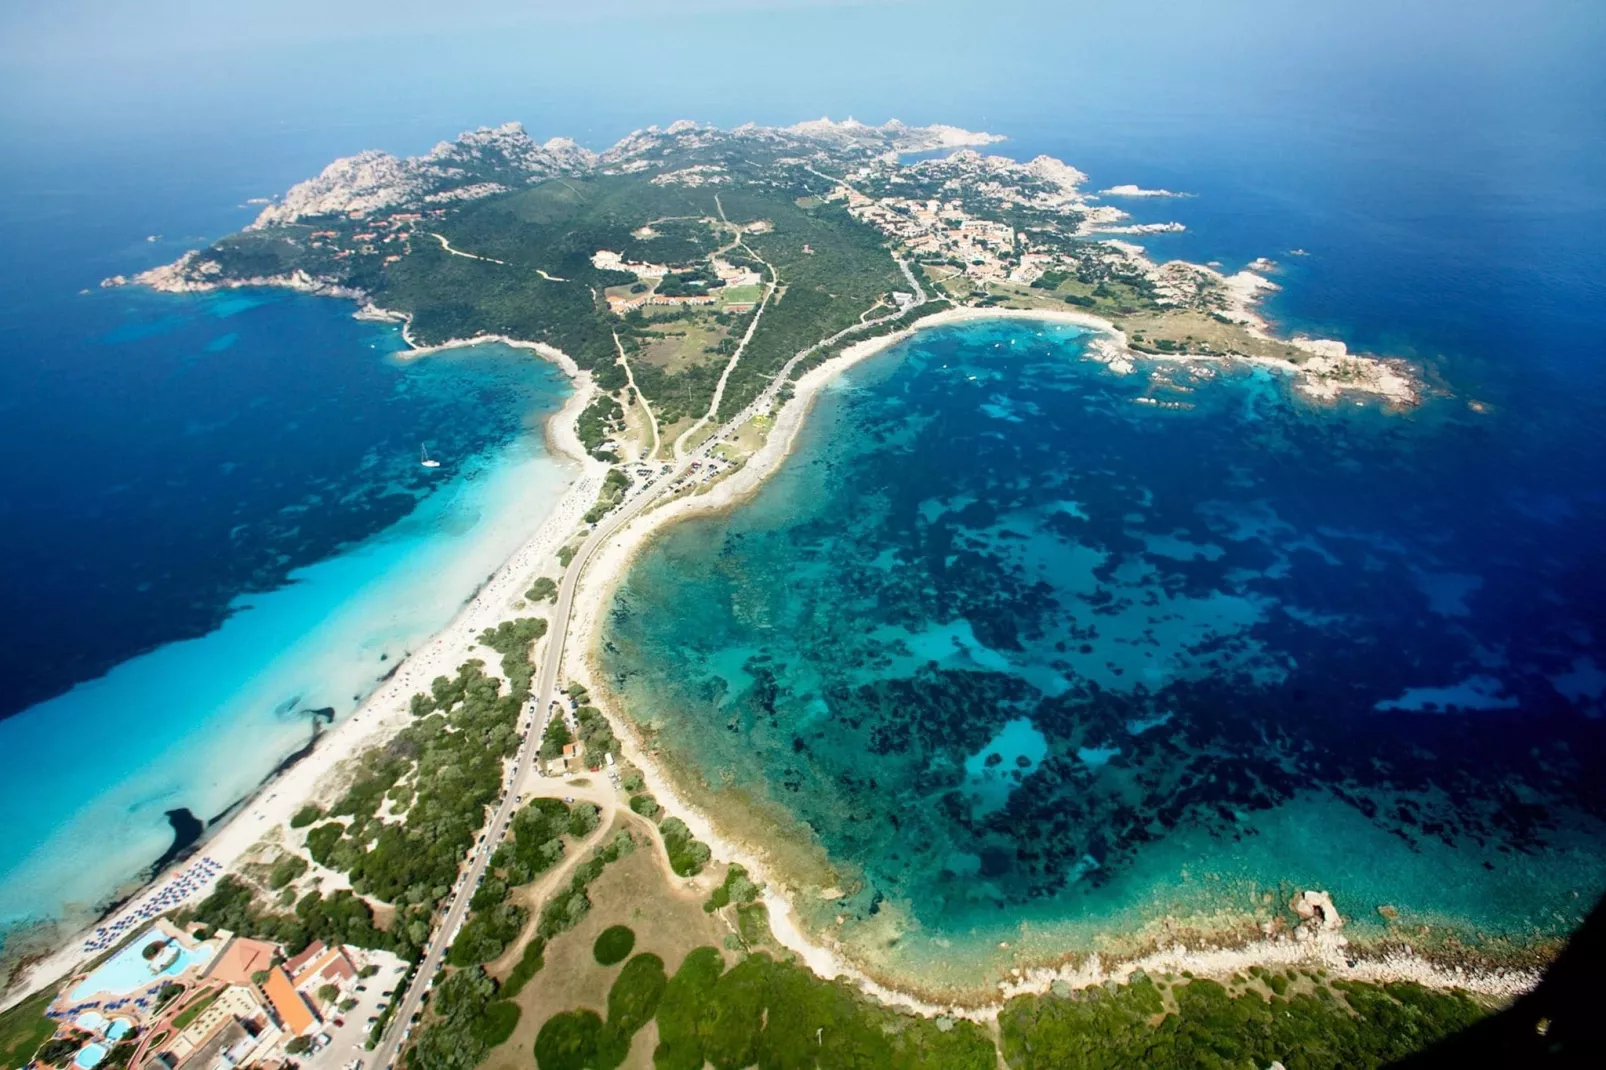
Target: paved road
point(546, 686)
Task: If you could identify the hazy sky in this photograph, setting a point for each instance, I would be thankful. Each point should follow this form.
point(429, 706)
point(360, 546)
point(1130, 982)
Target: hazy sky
point(597, 70)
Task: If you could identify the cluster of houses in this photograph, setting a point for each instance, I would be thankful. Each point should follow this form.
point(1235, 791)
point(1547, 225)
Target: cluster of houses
point(728, 274)
point(987, 250)
point(395, 230)
point(935, 229)
point(218, 1004)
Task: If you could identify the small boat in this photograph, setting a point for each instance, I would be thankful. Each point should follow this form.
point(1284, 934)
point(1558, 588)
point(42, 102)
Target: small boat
point(426, 460)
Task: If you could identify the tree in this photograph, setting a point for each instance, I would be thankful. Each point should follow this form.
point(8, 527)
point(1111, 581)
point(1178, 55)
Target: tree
point(58, 1051)
point(583, 819)
point(328, 993)
point(554, 739)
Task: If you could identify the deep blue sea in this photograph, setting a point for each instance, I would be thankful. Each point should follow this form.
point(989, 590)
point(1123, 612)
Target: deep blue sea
point(215, 533)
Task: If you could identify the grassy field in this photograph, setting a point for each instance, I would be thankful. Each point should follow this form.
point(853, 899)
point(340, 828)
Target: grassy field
point(740, 295)
point(679, 344)
point(751, 435)
point(23, 1028)
point(668, 923)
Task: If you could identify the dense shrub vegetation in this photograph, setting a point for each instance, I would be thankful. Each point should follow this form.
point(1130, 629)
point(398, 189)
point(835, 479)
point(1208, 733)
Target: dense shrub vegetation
point(529, 964)
point(759, 1012)
point(512, 639)
point(567, 906)
point(580, 1040)
point(340, 918)
point(596, 734)
point(612, 492)
point(464, 728)
point(536, 845)
point(687, 854)
point(846, 272)
point(737, 888)
point(1338, 1026)
point(598, 422)
point(469, 1017)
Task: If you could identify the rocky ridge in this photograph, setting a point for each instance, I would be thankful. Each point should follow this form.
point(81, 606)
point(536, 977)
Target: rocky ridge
point(490, 160)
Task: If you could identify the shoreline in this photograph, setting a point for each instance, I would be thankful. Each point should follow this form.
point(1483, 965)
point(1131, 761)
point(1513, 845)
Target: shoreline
point(263, 815)
point(269, 808)
point(1323, 946)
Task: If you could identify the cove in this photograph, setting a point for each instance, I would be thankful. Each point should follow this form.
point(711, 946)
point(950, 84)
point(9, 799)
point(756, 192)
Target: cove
point(1203, 610)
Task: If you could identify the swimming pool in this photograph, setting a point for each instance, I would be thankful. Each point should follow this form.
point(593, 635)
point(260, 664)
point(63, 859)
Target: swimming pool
point(128, 971)
point(118, 1028)
point(90, 1021)
point(89, 1055)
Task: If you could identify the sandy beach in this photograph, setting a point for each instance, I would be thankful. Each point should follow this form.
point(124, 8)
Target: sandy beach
point(317, 776)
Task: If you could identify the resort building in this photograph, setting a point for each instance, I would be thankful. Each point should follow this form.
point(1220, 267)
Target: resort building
point(318, 966)
point(240, 959)
point(295, 1016)
point(179, 1003)
point(233, 1025)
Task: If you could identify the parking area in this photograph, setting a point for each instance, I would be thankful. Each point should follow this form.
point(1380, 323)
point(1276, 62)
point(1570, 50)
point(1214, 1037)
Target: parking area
point(347, 1031)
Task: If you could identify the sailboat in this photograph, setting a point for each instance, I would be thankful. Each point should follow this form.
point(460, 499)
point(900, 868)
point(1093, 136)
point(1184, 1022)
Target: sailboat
point(425, 459)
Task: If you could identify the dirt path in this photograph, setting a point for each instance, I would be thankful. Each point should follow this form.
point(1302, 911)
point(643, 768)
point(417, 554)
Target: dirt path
point(724, 377)
point(535, 895)
point(640, 397)
point(486, 259)
point(608, 801)
point(467, 256)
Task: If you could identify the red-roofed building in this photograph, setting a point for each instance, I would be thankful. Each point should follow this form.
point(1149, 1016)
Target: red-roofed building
point(332, 967)
point(289, 1007)
point(313, 950)
point(241, 958)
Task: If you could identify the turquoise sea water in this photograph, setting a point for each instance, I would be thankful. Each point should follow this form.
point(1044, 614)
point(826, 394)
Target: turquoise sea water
point(241, 523)
point(1036, 664)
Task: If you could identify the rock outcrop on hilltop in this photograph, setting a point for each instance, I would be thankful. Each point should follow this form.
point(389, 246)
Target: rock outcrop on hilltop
point(889, 136)
point(476, 164)
point(490, 160)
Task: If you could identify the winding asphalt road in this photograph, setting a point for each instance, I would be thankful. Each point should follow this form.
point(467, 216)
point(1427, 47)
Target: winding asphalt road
point(546, 686)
